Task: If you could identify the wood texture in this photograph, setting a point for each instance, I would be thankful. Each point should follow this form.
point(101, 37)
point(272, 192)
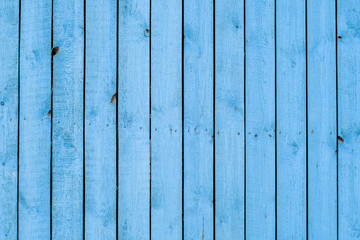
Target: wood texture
point(321, 93)
point(68, 112)
point(9, 47)
point(166, 119)
point(260, 119)
point(349, 118)
point(229, 119)
point(35, 124)
point(191, 119)
point(100, 120)
point(134, 119)
point(198, 119)
point(291, 119)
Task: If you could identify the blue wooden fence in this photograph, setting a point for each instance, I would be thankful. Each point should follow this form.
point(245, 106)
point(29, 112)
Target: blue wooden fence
point(150, 119)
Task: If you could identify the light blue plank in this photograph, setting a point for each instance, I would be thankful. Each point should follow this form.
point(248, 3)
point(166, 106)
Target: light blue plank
point(260, 119)
point(9, 38)
point(166, 119)
point(134, 113)
point(291, 119)
point(68, 94)
point(349, 118)
point(322, 163)
point(198, 119)
point(100, 120)
point(229, 119)
point(35, 125)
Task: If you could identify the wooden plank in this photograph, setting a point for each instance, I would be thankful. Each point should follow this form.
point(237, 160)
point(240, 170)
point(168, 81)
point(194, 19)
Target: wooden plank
point(260, 119)
point(349, 118)
point(198, 120)
point(9, 38)
point(322, 185)
point(133, 117)
point(166, 119)
point(100, 120)
point(35, 124)
point(229, 119)
point(291, 119)
point(68, 95)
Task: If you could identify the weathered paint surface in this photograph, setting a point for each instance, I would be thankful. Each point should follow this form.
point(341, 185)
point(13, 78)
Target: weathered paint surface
point(175, 119)
point(134, 119)
point(198, 119)
point(260, 120)
point(229, 119)
point(166, 120)
point(100, 120)
point(9, 47)
point(67, 123)
point(34, 122)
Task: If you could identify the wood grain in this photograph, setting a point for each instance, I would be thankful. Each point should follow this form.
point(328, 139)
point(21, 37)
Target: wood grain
point(134, 119)
point(260, 120)
point(68, 113)
point(198, 119)
point(100, 120)
point(35, 125)
point(9, 87)
point(166, 120)
point(229, 119)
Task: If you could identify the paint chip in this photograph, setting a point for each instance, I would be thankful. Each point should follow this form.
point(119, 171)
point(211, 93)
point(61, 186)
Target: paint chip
point(340, 139)
point(49, 113)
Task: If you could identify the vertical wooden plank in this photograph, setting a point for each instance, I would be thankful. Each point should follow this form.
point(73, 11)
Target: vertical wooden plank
point(134, 127)
point(260, 119)
point(166, 119)
point(291, 119)
point(198, 119)
point(68, 97)
point(229, 119)
point(35, 124)
point(349, 118)
point(322, 199)
point(9, 38)
point(100, 120)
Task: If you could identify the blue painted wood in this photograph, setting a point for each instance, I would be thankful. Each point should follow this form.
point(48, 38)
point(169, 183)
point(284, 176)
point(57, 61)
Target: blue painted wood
point(166, 119)
point(198, 120)
point(68, 103)
point(9, 38)
point(229, 119)
point(100, 120)
point(291, 119)
point(150, 175)
point(133, 117)
point(348, 13)
point(260, 119)
point(35, 124)
point(322, 159)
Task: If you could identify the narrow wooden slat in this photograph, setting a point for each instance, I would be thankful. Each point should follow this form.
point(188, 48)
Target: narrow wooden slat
point(134, 127)
point(9, 38)
point(198, 119)
point(291, 119)
point(166, 119)
point(260, 119)
point(322, 199)
point(100, 120)
point(35, 124)
point(68, 94)
point(348, 23)
point(229, 119)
